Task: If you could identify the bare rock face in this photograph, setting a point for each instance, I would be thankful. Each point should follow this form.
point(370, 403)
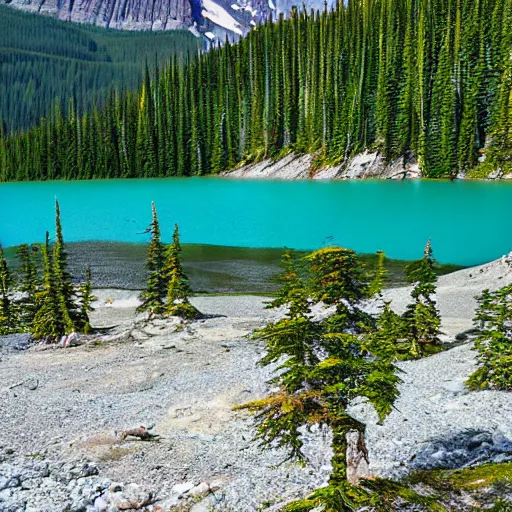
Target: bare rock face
point(120, 14)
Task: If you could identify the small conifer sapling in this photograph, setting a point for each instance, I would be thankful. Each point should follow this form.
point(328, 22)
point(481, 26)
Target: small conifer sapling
point(178, 286)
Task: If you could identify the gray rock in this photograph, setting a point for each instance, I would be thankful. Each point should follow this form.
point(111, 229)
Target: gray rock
point(20, 341)
point(100, 505)
point(483, 439)
point(183, 488)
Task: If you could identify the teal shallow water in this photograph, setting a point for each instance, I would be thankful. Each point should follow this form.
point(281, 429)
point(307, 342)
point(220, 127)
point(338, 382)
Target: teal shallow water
point(469, 222)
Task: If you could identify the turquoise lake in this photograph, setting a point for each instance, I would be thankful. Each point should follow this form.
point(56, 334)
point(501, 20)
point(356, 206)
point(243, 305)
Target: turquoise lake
point(468, 222)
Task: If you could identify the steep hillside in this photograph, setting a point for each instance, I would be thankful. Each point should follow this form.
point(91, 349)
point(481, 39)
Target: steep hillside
point(371, 75)
point(42, 59)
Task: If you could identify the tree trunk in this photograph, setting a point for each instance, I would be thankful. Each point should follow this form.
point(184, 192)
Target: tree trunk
point(357, 457)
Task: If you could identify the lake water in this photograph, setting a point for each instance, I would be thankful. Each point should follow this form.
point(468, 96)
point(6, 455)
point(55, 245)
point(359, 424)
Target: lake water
point(468, 222)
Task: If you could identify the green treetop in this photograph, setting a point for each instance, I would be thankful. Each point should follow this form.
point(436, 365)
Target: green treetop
point(422, 319)
point(389, 337)
point(341, 280)
point(153, 296)
point(293, 291)
point(50, 321)
point(178, 287)
point(62, 278)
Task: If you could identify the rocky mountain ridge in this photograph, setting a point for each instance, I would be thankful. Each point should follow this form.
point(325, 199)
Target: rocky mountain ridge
point(215, 19)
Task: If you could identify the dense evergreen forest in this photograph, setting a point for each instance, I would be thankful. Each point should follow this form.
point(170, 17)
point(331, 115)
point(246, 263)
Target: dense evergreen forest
point(44, 62)
point(429, 79)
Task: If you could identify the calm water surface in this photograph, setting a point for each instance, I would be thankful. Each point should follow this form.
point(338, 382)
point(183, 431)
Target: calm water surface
point(468, 222)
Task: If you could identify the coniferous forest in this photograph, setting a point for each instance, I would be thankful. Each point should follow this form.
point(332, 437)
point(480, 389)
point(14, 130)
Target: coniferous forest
point(425, 79)
point(48, 65)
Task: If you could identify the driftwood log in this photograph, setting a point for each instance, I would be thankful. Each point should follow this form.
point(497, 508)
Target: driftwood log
point(141, 432)
point(137, 505)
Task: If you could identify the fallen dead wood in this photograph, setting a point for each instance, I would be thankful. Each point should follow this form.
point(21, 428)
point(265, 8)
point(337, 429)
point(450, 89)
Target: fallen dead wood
point(33, 385)
point(141, 432)
point(137, 505)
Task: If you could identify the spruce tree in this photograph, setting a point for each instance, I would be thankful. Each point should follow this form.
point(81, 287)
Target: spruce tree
point(389, 338)
point(293, 291)
point(422, 319)
point(493, 324)
point(153, 296)
point(63, 284)
point(57, 312)
point(327, 366)
point(48, 323)
point(8, 316)
point(178, 286)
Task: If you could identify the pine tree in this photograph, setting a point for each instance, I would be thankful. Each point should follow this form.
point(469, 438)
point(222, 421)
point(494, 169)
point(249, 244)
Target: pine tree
point(28, 284)
point(389, 339)
point(493, 324)
point(341, 280)
point(292, 293)
point(48, 323)
point(8, 316)
point(178, 286)
point(325, 369)
point(63, 285)
point(422, 319)
point(153, 296)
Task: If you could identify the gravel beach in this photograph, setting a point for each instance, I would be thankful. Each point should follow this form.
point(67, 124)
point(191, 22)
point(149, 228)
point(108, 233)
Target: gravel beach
point(63, 411)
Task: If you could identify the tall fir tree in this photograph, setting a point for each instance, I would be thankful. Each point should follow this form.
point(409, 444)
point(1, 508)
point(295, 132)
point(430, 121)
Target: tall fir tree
point(178, 286)
point(422, 319)
point(293, 291)
point(48, 323)
point(326, 366)
point(155, 292)
point(63, 283)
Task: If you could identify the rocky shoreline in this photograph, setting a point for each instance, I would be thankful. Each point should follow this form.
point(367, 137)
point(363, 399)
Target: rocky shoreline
point(366, 165)
point(64, 411)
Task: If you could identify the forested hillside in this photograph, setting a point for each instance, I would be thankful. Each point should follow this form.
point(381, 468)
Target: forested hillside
point(42, 59)
point(430, 79)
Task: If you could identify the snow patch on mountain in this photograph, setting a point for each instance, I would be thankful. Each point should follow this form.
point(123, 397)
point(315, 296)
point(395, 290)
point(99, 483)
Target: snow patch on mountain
point(218, 15)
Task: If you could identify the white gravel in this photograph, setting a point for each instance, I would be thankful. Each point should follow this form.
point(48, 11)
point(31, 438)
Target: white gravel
point(186, 383)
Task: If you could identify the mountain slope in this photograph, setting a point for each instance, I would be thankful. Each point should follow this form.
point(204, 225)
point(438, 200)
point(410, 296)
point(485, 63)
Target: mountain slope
point(42, 59)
